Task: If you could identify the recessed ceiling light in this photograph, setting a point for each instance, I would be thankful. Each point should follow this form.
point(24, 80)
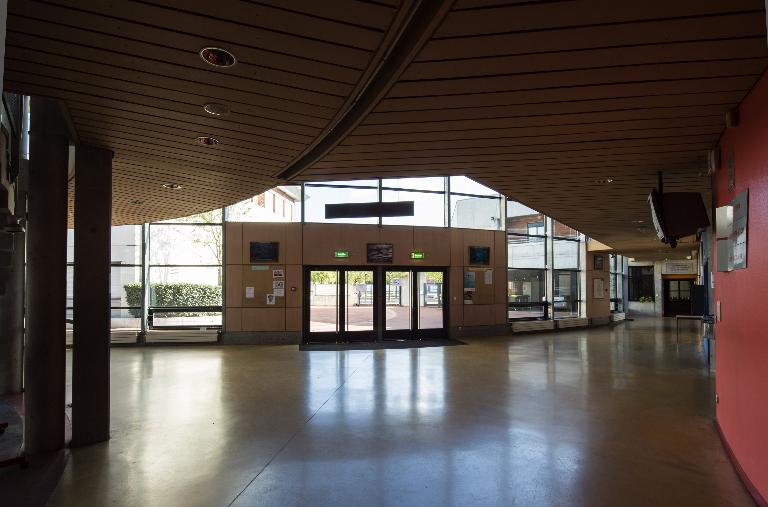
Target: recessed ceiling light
point(217, 57)
point(688, 257)
point(137, 202)
point(638, 221)
point(207, 141)
point(604, 181)
point(172, 186)
point(215, 109)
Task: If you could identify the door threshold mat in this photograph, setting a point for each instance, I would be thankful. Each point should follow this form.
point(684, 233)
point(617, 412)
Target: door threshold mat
point(388, 344)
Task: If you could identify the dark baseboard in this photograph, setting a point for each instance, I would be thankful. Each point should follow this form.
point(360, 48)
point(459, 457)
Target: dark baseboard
point(756, 496)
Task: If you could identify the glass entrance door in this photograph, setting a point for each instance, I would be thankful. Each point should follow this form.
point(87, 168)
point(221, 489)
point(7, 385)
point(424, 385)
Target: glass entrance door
point(398, 310)
point(359, 310)
point(430, 315)
point(366, 304)
point(322, 304)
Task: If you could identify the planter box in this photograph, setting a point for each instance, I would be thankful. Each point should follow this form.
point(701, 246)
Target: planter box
point(637, 308)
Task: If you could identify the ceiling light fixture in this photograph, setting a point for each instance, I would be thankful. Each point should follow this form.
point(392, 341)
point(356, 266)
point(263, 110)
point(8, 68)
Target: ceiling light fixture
point(137, 202)
point(207, 141)
point(604, 181)
point(172, 186)
point(216, 109)
point(217, 57)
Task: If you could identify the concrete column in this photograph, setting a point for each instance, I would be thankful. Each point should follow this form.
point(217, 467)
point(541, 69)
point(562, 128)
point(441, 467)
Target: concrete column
point(44, 361)
point(12, 321)
point(90, 352)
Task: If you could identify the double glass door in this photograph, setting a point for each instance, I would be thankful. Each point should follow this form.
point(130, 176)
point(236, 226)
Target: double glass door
point(366, 304)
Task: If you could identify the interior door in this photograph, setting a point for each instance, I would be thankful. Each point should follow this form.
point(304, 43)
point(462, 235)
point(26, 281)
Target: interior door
point(677, 297)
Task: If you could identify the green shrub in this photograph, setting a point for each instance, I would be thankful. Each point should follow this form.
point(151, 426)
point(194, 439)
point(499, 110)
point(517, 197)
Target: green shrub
point(174, 294)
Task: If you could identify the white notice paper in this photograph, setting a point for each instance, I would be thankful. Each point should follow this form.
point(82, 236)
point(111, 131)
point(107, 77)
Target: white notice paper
point(488, 277)
point(279, 293)
point(249, 293)
point(278, 284)
point(270, 299)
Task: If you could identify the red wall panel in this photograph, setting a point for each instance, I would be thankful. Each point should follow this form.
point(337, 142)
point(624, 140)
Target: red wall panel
point(742, 335)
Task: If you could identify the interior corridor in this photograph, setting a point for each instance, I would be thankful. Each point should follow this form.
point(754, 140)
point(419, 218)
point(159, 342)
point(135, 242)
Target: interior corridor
point(605, 416)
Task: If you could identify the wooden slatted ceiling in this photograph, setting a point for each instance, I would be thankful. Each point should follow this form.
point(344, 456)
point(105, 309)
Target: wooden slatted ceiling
point(132, 81)
point(536, 99)
point(541, 100)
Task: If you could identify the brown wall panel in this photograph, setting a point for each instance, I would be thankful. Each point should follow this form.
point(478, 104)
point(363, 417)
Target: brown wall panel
point(234, 321)
point(234, 282)
point(263, 319)
point(293, 320)
point(293, 276)
point(263, 233)
point(234, 239)
point(435, 242)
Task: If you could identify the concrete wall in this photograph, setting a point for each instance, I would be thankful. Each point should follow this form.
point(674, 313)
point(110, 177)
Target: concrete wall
point(598, 306)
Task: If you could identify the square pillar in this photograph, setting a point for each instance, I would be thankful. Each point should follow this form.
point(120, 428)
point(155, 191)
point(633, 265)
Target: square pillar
point(44, 354)
point(90, 349)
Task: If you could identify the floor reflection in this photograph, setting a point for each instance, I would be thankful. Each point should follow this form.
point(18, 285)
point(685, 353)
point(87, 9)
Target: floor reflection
point(583, 417)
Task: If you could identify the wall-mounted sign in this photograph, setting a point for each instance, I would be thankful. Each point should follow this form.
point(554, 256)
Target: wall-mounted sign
point(731, 231)
point(417, 255)
point(678, 267)
point(341, 254)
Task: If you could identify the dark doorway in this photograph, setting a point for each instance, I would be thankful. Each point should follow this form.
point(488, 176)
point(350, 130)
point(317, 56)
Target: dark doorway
point(677, 297)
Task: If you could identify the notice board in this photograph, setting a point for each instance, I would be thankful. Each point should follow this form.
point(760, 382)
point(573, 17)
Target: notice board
point(264, 286)
point(478, 286)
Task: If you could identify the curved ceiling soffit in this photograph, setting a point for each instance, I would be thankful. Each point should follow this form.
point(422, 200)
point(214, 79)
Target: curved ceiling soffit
point(412, 27)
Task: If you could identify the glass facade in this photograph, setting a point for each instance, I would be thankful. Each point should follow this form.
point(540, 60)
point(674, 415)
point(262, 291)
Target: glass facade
point(544, 265)
point(618, 280)
point(455, 201)
point(126, 280)
point(185, 271)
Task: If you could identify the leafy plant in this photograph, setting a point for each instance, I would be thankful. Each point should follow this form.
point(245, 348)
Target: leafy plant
point(174, 295)
point(646, 299)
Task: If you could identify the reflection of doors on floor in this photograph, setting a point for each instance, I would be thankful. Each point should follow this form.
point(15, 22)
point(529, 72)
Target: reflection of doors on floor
point(366, 304)
point(677, 296)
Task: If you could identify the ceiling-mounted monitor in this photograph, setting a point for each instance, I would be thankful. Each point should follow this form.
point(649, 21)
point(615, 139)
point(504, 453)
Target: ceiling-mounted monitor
point(677, 214)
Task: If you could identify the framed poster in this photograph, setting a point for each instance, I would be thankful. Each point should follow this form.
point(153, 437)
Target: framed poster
point(380, 253)
point(479, 255)
point(598, 262)
point(598, 289)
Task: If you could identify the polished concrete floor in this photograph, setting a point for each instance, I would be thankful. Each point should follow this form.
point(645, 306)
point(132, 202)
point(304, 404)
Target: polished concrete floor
point(609, 416)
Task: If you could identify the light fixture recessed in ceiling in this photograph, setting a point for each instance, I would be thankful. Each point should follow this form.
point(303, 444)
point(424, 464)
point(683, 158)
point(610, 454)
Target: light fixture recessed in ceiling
point(137, 202)
point(604, 181)
point(172, 186)
point(216, 109)
point(207, 141)
point(217, 57)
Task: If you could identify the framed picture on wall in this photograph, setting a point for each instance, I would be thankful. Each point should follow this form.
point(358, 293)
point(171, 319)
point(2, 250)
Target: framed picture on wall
point(380, 253)
point(598, 262)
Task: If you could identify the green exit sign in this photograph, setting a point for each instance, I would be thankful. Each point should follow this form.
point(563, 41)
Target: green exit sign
point(341, 254)
point(417, 255)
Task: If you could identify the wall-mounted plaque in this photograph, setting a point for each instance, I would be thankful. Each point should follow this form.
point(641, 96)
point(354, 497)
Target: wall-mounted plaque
point(731, 233)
